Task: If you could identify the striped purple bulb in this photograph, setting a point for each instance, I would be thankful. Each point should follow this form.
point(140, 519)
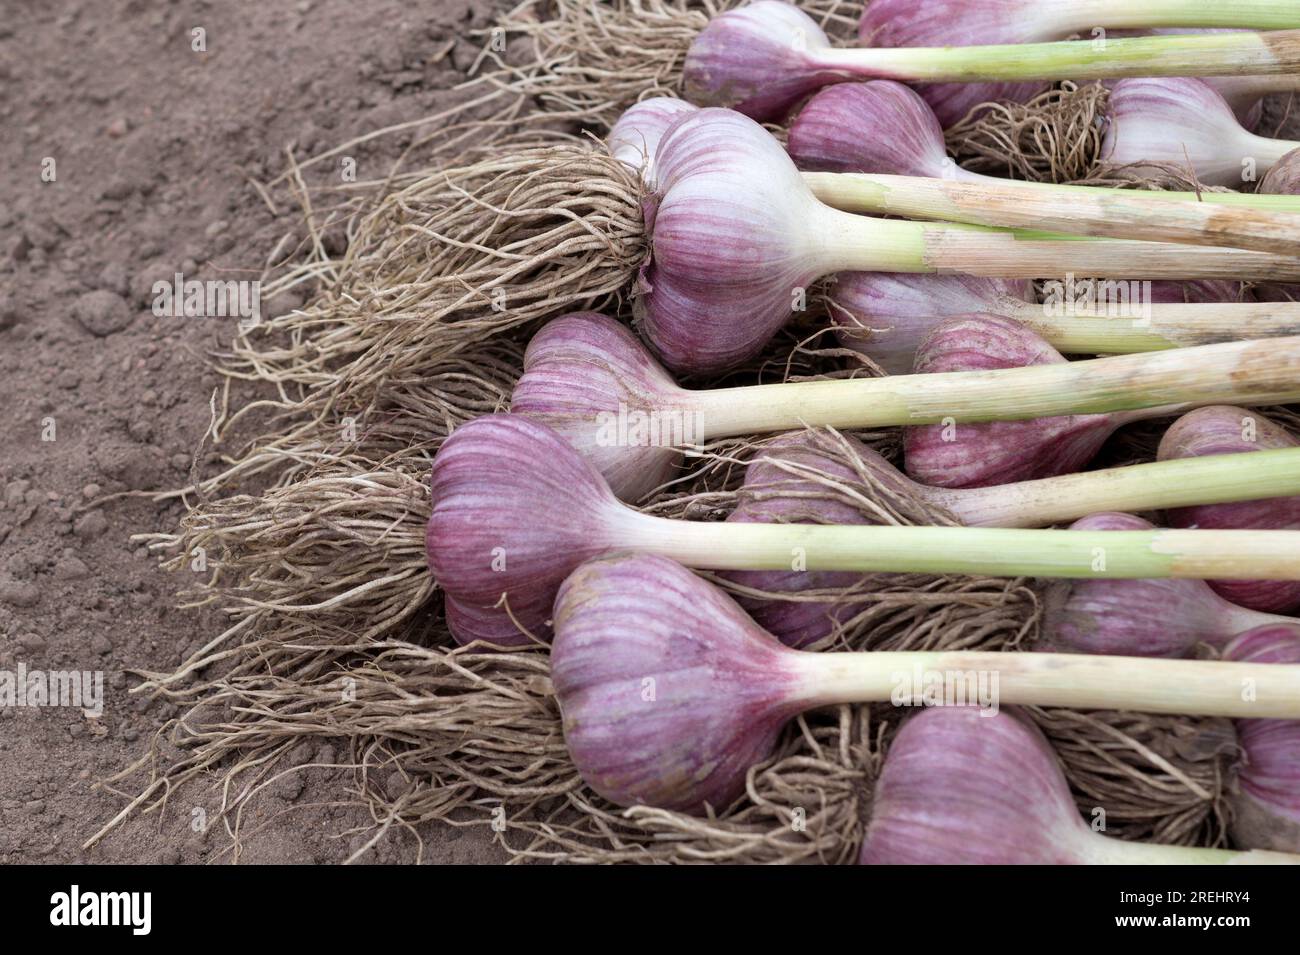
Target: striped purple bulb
point(590, 380)
point(515, 509)
point(1140, 618)
point(981, 455)
point(1228, 430)
point(668, 692)
point(736, 239)
point(634, 138)
point(760, 59)
point(1266, 802)
point(1179, 121)
point(783, 485)
point(964, 786)
point(887, 315)
point(878, 127)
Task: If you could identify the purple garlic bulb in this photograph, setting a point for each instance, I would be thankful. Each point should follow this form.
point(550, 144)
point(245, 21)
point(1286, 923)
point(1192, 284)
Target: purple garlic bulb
point(886, 315)
point(588, 378)
point(1138, 618)
point(1177, 121)
point(634, 139)
point(514, 510)
point(878, 127)
point(735, 236)
point(1266, 805)
point(1194, 291)
point(1226, 430)
point(1243, 94)
point(668, 692)
point(781, 485)
point(1282, 180)
point(981, 455)
point(970, 787)
point(896, 23)
point(760, 59)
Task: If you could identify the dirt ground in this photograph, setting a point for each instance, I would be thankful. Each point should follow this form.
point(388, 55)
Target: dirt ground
point(153, 144)
point(127, 156)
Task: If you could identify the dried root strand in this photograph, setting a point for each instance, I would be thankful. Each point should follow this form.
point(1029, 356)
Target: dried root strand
point(458, 257)
point(1055, 137)
point(1147, 777)
point(595, 59)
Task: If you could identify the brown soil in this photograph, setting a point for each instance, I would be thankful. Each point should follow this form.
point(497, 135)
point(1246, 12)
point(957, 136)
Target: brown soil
point(154, 145)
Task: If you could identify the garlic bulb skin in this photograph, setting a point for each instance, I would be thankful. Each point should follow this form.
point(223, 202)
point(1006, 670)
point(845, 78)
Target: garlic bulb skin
point(760, 59)
point(736, 237)
point(1177, 120)
point(1281, 180)
point(1266, 803)
point(634, 138)
point(880, 127)
point(668, 692)
point(965, 786)
point(887, 315)
point(781, 485)
point(515, 508)
point(1223, 429)
point(895, 23)
point(1139, 618)
point(1000, 452)
point(589, 379)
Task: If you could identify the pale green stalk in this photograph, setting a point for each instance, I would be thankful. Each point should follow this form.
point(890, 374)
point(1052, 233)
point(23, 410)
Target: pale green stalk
point(980, 551)
point(1074, 680)
point(1213, 54)
point(1211, 479)
point(1073, 210)
point(1236, 373)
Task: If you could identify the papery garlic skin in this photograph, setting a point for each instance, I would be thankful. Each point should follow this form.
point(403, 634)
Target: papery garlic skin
point(895, 23)
point(1194, 291)
point(665, 709)
point(516, 536)
point(887, 315)
point(1223, 429)
point(760, 59)
point(773, 493)
point(634, 138)
point(1283, 179)
point(589, 379)
point(1244, 94)
point(736, 240)
point(1000, 452)
point(1266, 802)
point(1141, 618)
point(1182, 120)
point(965, 786)
point(880, 127)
